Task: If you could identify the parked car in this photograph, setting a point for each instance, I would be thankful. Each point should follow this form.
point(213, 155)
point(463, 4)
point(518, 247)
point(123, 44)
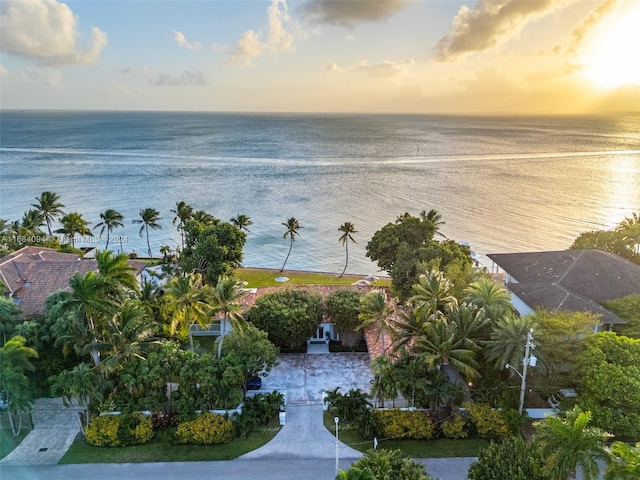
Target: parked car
point(561, 396)
point(254, 383)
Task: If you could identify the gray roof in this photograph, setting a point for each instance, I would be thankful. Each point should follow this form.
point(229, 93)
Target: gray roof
point(574, 280)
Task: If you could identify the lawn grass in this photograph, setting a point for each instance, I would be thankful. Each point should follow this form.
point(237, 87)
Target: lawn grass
point(264, 277)
point(8, 442)
point(160, 449)
point(437, 448)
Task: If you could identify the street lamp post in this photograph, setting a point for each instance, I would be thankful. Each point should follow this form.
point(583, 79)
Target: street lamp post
point(528, 360)
point(336, 419)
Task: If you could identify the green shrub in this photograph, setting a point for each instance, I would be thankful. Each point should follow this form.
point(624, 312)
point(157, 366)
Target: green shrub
point(205, 429)
point(403, 424)
point(119, 430)
point(511, 459)
point(489, 422)
point(454, 427)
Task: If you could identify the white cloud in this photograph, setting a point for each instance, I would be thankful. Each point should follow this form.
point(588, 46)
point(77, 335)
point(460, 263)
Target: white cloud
point(184, 43)
point(186, 78)
point(334, 68)
point(490, 23)
point(45, 30)
point(250, 45)
point(349, 37)
point(248, 48)
point(348, 13)
point(4, 73)
point(132, 71)
point(217, 48)
point(385, 70)
point(51, 77)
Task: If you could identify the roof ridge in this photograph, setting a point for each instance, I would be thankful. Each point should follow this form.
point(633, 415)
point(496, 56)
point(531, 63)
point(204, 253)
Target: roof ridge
point(571, 266)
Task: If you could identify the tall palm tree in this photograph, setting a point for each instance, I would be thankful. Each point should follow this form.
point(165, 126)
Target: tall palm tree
point(487, 294)
point(110, 220)
point(149, 218)
point(242, 222)
point(186, 303)
point(566, 443)
point(507, 340)
point(74, 224)
point(293, 226)
point(225, 300)
point(16, 355)
point(347, 229)
point(432, 295)
point(623, 462)
point(49, 207)
point(376, 310)
point(183, 212)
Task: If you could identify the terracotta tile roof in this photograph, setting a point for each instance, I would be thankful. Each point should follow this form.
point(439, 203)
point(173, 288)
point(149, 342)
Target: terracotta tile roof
point(31, 274)
point(574, 280)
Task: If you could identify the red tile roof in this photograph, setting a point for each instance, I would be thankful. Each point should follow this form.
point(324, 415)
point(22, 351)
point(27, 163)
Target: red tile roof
point(32, 273)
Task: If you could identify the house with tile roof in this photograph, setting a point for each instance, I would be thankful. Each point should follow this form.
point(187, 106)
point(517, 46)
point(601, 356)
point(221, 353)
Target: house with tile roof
point(573, 280)
point(32, 273)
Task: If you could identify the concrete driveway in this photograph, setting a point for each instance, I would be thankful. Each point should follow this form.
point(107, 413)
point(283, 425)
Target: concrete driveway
point(303, 377)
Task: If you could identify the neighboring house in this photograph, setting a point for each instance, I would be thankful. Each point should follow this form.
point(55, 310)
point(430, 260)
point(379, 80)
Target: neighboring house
point(572, 280)
point(32, 273)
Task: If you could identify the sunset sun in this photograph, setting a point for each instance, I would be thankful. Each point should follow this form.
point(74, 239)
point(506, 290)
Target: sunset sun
point(612, 60)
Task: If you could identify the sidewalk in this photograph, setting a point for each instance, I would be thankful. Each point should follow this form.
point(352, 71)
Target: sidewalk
point(54, 430)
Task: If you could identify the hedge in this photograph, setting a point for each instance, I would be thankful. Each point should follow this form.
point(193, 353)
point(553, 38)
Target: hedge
point(119, 430)
point(403, 424)
point(205, 429)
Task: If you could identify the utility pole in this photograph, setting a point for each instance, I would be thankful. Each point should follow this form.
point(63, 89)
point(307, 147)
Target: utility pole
point(528, 360)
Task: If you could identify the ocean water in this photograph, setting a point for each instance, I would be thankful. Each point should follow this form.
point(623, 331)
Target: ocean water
point(504, 184)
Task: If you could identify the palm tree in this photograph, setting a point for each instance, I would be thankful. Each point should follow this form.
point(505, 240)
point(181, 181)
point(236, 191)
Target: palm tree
point(293, 226)
point(432, 295)
point(376, 310)
point(74, 224)
point(242, 222)
point(435, 219)
point(49, 207)
point(507, 340)
point(487, 294)
point(566, 443)
point(183, 213)
point(630, 227)
point(186, 304)
point(110, 220)
point(31, 222)
point(16, 355)
point(117, 273)
point(129, 334)
point(205, 219)
point(623, 462)
point(441, 345)
point(14, 388)
point(149, 218)
point(347, 228)
point(225, 300)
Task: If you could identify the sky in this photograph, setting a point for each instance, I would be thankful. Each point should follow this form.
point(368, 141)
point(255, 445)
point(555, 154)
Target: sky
point(389, 56)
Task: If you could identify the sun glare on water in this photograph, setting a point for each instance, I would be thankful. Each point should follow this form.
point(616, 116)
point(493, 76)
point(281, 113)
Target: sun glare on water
point(614, 59)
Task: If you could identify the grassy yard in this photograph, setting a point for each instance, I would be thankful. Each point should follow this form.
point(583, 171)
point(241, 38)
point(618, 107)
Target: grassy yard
point(438, 448)
point(264, 277)
point(7, 441)
point(160, 449)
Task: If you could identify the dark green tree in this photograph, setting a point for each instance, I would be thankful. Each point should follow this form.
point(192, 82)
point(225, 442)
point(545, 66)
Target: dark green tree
point(149, 218)
point(385, 464)
point(289, 317)
point(110, 220)
point(242, 222)
point(73, 224)
point(347, 229)
point(343, 309)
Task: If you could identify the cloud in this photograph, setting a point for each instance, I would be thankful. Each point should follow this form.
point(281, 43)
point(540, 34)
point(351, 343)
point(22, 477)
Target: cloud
point(185, 79)
point(334, 68)
point(349, 37)
point(490, 23)
point(45, 30)
point(132, 71)
point(248, 48)
point(385, 69)
point(250, 45)
point(348, 13)
point(4, 73)
point(596, 16)
point(182, 41)
point(488, 83)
